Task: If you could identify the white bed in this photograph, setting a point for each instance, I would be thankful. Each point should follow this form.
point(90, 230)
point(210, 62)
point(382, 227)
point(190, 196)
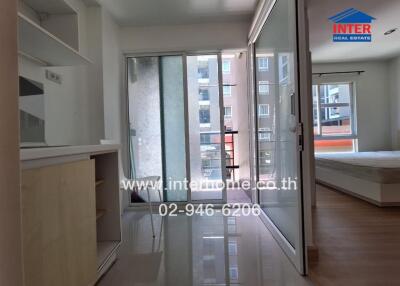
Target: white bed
point(372, 176)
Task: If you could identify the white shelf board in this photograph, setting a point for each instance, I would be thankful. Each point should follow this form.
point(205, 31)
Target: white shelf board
point(50, 6)
point(104, 250)
point(37, 43)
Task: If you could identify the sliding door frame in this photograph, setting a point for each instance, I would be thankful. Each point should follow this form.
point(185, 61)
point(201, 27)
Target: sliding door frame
point(303, 104)
point(184, 56)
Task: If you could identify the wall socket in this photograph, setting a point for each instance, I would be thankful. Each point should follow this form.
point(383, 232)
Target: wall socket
point(52, 76)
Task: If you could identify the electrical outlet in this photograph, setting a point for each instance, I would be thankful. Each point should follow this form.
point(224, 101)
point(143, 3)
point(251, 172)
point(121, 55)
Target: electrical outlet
point(52, 76)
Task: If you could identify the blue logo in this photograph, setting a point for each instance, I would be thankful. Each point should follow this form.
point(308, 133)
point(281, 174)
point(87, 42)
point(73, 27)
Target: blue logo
point(352, 25)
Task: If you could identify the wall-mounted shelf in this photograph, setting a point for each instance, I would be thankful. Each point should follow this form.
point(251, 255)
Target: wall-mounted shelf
point(37, 43)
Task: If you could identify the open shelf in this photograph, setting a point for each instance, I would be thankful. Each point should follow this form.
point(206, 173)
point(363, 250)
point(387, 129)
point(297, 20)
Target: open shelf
point(108, 216)
point(100, 213)
point(37, 43)
point(50, 7)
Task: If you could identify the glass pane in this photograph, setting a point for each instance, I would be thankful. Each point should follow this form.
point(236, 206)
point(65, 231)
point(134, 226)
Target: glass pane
point(204, 127)
point(335, 121)
point(315, 110)
point(144, 121)
point(278, 155)
point(174, 127)
point(332, 146)
point(334, 93)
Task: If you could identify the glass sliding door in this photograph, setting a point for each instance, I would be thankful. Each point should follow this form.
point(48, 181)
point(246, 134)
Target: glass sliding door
point(278, 131)
point(207, 168)
point(176, 126)
point(173, 128)
point(145, 146)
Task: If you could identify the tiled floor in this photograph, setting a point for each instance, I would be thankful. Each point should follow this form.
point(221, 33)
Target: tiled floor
point(197, 250)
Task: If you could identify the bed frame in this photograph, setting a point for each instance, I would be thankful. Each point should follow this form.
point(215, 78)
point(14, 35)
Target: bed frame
point(380, 194)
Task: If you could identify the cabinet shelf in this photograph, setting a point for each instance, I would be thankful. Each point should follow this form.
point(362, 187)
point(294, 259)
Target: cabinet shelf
point(105, 249)
point(37, 43)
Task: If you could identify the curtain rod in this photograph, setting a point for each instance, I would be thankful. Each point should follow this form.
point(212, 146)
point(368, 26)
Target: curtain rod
point(345, 72)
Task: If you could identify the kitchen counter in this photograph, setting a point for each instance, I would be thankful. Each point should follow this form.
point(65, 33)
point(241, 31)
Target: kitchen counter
point(37, 157)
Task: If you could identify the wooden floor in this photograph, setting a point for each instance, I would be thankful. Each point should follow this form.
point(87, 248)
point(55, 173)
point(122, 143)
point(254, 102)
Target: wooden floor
point(358, 243)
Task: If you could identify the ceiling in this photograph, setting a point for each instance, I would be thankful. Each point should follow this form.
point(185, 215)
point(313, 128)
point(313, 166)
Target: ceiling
point(172, 12)
point(323, 49)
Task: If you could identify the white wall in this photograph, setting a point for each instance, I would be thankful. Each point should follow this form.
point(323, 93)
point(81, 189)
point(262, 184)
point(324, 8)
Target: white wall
point(10, 216)
point(112, 80)
point(394, 87)
point(372, 100)
point(195, 37)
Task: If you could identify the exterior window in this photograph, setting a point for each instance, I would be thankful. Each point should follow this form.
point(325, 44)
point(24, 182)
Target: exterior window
point(205, 139)
point(263, 110)
point(227, 90)
point(226, 66)
point(283, 68)
point(265, 158)
point(263, 87)
point(263, 64)
point(228, 111)
point(333, 113)
point(204, 94)
point(264, 134)
point(204, 114)
point(203, 70)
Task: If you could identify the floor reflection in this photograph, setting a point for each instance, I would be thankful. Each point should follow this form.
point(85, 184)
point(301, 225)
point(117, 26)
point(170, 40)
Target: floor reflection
point(199, 250)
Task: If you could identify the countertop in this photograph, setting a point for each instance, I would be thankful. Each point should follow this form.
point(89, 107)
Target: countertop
point(53, 152)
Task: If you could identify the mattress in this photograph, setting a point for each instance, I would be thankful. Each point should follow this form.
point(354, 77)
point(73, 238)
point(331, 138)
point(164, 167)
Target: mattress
point(382, 166)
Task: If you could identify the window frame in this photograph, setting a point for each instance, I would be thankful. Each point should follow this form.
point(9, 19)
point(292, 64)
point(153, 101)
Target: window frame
point(351, 105)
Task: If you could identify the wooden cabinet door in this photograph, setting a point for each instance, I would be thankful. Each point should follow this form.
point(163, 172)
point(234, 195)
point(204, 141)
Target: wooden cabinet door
point(59, 225)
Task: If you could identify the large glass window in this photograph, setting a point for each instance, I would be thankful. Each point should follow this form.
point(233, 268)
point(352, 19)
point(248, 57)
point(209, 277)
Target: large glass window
point(333, 112)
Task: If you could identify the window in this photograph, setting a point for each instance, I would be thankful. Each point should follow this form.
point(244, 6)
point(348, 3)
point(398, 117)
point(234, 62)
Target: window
point(203, 70)
point(204, 114)
point(264, 134)
point(228, 111)
point(262, 64)
point(283, 68)
point(263, 87)
point(265, 158)
point(204, 94)
point(226, 66)
point(205, 139)
point(227, 90)
point(333, 113)
point(263, 110)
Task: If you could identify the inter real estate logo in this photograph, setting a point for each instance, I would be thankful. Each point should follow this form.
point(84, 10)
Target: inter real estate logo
point(352, 25)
